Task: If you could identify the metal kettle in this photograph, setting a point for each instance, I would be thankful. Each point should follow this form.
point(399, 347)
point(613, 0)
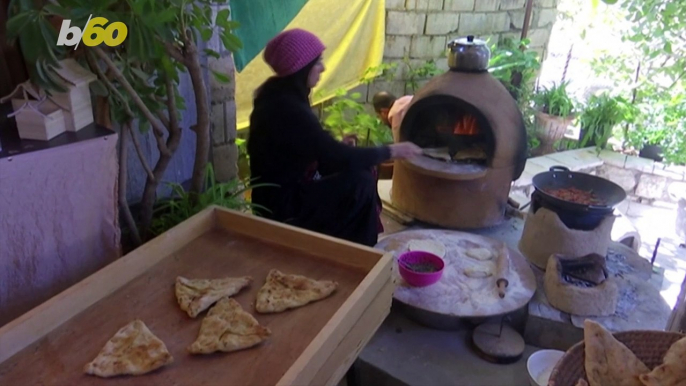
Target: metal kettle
point(468, 54)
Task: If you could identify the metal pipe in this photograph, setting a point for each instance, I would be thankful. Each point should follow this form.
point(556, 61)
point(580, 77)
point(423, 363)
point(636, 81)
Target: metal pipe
point(527, 18)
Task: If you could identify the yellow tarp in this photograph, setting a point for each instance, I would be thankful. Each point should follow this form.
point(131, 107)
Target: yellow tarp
point(354, 34)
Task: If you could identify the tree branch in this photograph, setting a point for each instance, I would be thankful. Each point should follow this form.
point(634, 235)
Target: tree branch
point(139, 151)
point(123, 203)
point(174, 52)
point(110, 86)
point(157, 127)
point(171, 104)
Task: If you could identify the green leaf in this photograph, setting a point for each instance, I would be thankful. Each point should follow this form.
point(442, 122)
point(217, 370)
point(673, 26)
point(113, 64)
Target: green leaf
point(57, 10)
point(220, 77)
point(668, 47)
point(212, 53)
point(140, 74)
point(206, 33)
point(222, 16)
point(230, 41)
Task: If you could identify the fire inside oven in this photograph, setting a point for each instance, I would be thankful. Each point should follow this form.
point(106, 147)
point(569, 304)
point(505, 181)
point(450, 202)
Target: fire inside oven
point(450, 130)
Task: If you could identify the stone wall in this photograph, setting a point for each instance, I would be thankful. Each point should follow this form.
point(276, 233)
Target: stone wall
point(421, 29)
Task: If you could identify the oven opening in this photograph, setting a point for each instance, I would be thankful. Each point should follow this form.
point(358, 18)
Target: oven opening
point(449, 130)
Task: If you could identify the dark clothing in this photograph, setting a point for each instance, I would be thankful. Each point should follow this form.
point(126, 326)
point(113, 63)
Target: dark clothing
point(286, 140)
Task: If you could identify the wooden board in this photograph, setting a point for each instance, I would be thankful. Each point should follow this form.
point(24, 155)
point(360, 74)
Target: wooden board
point(59, 337)
point(456, 295)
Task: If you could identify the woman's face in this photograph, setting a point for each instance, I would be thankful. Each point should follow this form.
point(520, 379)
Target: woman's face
point(315, 73)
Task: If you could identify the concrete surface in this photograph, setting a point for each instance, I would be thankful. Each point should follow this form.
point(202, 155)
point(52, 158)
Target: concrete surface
point(417, 355)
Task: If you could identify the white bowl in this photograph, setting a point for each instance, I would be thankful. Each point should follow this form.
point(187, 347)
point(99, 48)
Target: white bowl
point(541, 364)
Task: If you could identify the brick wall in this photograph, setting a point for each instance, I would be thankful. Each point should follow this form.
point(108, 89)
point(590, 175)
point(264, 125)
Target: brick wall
point(421, 29)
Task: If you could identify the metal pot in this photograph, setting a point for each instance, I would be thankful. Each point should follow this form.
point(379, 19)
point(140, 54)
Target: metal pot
point(468, 55)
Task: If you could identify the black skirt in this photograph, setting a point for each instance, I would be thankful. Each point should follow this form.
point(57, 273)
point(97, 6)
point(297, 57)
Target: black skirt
point(342, 205)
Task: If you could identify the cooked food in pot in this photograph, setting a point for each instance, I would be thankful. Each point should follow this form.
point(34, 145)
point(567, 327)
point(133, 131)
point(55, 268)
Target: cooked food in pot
point(577, 196)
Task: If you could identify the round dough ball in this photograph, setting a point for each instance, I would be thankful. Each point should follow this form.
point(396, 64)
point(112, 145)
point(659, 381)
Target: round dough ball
point(481, 254)
point(432, 246)
point(478, 272)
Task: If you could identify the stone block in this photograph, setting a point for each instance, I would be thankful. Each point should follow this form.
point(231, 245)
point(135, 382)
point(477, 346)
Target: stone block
point(484, 23)
point(442, 64)
point(512, 4)
point(362, 89)
point(218, 123)
point(650, 186)
point(425, 5)
point(622, 177)
point(427, 46)
point(459, 5)
point(395, 4)
point(486, 5)
point(397, 46)
point(220, 92)
point(539, 37)
point(224, 161)
point(545, 17)
point(676, 191)
point(442, 23)
point(517, 19)
point(405, 23)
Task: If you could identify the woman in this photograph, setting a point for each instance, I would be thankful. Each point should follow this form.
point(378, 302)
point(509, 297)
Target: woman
point(323, 185)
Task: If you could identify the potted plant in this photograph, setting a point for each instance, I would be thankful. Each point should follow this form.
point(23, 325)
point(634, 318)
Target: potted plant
point(555, 111)
point(599, 118)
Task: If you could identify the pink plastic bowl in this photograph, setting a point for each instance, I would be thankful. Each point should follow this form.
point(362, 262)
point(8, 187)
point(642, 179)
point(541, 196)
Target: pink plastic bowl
point(420, 279)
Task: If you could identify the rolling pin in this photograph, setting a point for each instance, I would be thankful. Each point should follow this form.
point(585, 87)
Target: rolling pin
point(502, 269)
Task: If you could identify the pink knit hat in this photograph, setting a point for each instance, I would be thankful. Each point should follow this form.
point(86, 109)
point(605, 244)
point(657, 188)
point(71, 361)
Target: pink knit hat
point(292, 50)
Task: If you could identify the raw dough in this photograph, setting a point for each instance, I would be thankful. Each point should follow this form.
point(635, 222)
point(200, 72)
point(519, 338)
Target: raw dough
point(481, 254)
point(197, 295)
point(432, 246)
point(609, 361)
point(478, 272)
point(227, 327)
point(133, 350)
point(281, 292)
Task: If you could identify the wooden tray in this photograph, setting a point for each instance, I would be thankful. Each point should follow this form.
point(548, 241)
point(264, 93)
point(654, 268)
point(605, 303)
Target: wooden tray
point(313, 345)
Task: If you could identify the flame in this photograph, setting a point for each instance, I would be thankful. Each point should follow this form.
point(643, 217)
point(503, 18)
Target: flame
point(466, 126)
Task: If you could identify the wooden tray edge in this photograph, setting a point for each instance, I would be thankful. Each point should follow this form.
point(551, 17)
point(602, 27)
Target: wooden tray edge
point(334, 332)
point(41, 320)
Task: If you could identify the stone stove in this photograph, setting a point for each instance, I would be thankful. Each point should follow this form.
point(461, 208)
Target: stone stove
point(581, 286)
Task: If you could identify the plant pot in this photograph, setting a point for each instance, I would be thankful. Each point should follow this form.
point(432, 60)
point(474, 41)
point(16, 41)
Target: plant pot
point(386, 170)
point(550, 130)
point(653, 152)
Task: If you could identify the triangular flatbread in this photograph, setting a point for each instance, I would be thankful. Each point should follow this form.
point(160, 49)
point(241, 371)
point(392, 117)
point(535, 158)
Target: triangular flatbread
point(133, 350)
point(197, 295)
point(672, 372)
point(609, 361)
point(227, 327)
point(282, 292)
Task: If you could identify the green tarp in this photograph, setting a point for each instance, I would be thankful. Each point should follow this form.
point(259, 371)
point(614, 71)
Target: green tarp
point(260, 21)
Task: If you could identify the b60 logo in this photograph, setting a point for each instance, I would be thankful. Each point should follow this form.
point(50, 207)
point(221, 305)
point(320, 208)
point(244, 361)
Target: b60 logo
point(93, 33)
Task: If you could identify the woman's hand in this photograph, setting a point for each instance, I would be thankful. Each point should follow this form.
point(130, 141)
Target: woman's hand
point(405, 150)
point(350, 139)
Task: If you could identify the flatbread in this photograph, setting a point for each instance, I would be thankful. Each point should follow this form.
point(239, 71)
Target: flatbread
point(609, 361)
point(672, 372)
point(282, 292)
point(481, 254)
point(133, 350)
point(197, 295)
point(226, 328)
point(432, 246)
point(478, 272)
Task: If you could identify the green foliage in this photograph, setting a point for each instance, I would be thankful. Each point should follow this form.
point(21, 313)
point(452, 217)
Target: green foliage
point(514, 65)
point(601, 115)
point(142, 58)
point(417, 73)
point(652, 69)
point(555, 101)
point(183, 205)
point(347, 115)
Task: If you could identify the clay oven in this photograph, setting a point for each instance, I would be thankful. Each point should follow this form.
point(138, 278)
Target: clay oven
point(475, 145)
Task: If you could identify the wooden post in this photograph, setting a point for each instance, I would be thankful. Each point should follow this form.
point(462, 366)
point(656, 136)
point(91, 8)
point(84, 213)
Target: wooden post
point(677, 320)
